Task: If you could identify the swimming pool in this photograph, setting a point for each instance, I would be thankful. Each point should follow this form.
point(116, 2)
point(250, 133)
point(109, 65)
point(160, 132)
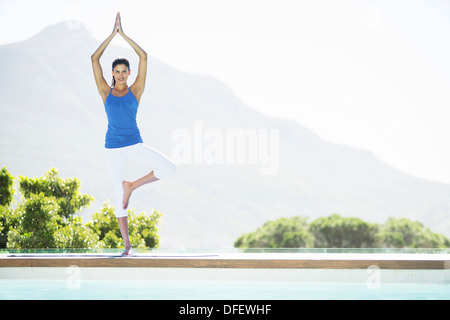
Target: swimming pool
point(215, 290)
point(192, 283)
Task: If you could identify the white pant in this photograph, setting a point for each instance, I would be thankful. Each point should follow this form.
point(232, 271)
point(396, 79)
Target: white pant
point(117, 158)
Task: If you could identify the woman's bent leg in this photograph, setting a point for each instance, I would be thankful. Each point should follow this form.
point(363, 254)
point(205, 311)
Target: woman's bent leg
point(129, 187)
point(161, 167)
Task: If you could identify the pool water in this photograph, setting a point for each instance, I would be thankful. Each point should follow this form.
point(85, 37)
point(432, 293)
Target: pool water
point(75, 283)
point(215, 290)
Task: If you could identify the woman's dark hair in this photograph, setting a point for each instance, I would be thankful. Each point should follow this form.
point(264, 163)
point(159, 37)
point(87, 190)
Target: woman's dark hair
point(115, 63)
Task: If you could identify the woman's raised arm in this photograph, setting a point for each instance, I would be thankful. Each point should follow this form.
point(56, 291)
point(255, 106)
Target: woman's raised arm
point(102, 85)
point(139, 84)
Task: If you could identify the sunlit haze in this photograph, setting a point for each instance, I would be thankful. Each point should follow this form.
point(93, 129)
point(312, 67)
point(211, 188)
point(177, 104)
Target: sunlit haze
point(369, 74)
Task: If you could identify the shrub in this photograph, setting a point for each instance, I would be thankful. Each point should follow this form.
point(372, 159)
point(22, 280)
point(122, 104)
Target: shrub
point(400, 233)
point(142, 228)
point(281, 233)
point(341, 232)
point(46, 217)
point(6, 187)
point(336, 231)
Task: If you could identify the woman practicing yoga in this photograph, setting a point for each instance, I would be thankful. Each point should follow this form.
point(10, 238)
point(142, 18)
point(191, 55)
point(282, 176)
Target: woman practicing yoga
point(123, 140)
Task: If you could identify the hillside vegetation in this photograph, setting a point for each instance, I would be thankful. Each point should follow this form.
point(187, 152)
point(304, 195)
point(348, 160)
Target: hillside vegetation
point(336, 231)
point(47, 217)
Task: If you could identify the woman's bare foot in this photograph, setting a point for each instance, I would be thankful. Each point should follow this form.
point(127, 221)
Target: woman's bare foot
point(129, 187)
point(127, 190)
point(127, 251)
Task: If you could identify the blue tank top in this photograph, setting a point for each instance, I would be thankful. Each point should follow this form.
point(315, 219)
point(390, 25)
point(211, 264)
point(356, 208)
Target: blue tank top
point(122, 127)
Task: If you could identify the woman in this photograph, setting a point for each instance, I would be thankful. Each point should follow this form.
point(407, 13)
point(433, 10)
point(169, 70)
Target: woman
point(123, 140)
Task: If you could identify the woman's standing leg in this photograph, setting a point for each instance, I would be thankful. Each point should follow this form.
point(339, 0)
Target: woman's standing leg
point(116, 160)
point(123, 225)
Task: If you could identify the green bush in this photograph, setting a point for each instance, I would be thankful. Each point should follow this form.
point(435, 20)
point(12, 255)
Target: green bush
point(146, 226)
point(142, 228)
point(75, 235)
point(402, 232)
point(281, 233)
point(65, 192)
point(46, 217)
point(6, 187)
point(9, 219)
point(341, 232)
point(37, 224)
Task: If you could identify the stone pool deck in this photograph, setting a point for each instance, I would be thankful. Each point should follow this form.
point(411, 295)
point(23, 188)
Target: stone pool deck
point(232, 260)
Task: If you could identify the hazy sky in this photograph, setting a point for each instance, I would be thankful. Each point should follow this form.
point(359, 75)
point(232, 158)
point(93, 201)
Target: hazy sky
point(369, 74)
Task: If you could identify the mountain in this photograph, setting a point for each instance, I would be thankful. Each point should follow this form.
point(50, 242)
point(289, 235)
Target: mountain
point(52, 116)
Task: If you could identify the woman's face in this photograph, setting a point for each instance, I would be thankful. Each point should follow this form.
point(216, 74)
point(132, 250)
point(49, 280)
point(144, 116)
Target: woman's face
point(121, 73)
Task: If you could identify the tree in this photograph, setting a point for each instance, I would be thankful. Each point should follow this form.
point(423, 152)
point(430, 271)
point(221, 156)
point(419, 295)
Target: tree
point(8, 218)
point(146, 225)
point(336, 231)
point(401, 233)
point(46, 217)
point(37, 224)
point(75, 235)
point(281, 233)
point(340, 232)
point(64, 191)
point(142, 228)
point(6, 187)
